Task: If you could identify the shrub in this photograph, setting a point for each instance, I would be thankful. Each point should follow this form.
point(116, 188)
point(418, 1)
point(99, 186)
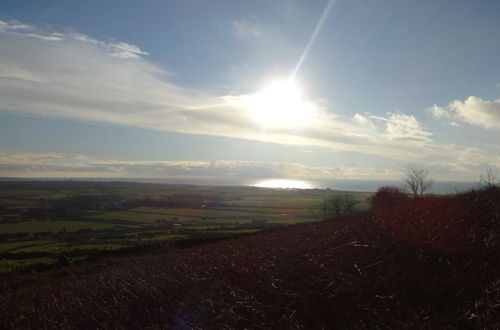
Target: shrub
point(451, 222)
point(482, 207)
point(483, 204)
point(337, 205)
point(388, 196)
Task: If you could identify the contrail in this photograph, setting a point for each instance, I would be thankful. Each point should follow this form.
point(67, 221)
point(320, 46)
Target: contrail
point(311, 40)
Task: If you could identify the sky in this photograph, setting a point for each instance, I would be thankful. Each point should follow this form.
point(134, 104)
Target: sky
point(333, 89)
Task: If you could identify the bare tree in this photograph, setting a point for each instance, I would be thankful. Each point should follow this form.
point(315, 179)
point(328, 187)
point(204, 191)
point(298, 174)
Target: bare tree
point(417, 181)
point(336, 205)
point(349, 203)
point(489, 179)
point(325, 207)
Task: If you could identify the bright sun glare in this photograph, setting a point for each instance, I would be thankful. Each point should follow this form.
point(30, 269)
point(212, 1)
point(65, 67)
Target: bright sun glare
point(281, 104)
point(283, 184)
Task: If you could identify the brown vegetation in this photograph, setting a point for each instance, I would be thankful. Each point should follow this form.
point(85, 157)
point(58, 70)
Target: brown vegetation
point(469, 220)
point(349, 273)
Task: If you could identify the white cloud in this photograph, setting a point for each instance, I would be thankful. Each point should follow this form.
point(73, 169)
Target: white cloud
point(473, 110)
point(401, 126)
point(70, 75)
point(74, 76)
point(124, 50)
point(42, 36)
point(15, 25)
point(360, 119)
point(404, 127)
point(438, 112)
point(363, 121)
point(477, 111)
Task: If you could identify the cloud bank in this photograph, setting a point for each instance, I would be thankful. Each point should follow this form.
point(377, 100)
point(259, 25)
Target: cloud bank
point(66, 165)
point(63, 165)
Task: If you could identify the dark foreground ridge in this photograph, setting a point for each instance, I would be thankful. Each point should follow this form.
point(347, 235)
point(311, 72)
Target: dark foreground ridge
point(344, 273)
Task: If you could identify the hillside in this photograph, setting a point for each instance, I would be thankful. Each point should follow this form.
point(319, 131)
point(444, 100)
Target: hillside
point(343, 273)
point(43, 222)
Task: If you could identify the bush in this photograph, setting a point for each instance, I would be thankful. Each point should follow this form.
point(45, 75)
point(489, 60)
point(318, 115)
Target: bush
point(482, 207)
point(451, 222)
point(337, 205)
point(388, 196)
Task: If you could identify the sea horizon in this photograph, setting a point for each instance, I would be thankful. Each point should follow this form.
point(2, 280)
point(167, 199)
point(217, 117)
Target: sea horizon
point(359, 185)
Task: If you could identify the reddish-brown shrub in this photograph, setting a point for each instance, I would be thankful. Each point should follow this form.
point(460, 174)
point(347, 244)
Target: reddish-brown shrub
point(451, 222)
point(388, 196)
point(483, 209)
point(483, 205)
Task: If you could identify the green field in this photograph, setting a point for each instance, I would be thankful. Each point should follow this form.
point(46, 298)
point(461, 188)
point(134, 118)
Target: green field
point(42, 221)
point(128, 216)
point(11, 265)
point(65, 247)
point(4, 247)
point(51, 226)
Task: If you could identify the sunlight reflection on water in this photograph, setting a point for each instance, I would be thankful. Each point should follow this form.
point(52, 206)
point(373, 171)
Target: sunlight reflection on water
point(283, 183)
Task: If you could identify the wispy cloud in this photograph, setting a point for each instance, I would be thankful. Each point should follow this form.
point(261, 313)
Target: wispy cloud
point(244, 28)
point(438, 112)
point(74, 76)
point(13, 26)
point(362, 120)
point(404, 127)
point(71, 75)
point(124, 50)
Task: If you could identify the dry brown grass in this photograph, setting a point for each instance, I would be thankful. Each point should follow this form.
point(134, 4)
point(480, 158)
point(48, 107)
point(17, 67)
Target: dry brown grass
point(346, 273)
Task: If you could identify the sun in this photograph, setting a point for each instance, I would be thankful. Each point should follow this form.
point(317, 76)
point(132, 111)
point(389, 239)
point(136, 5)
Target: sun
point(280, 104)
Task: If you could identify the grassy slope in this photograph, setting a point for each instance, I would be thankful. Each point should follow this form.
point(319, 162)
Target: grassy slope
point(347, 273)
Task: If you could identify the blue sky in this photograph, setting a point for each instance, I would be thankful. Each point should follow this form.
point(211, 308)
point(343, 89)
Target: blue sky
point(181, 89)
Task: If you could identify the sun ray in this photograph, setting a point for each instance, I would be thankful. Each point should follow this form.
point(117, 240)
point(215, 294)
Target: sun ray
point(313, 37)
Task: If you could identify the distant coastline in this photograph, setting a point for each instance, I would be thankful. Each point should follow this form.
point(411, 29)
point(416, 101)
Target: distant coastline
point(439, 187)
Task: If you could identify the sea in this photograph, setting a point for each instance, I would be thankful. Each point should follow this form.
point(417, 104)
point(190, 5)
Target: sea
point(439, 187)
